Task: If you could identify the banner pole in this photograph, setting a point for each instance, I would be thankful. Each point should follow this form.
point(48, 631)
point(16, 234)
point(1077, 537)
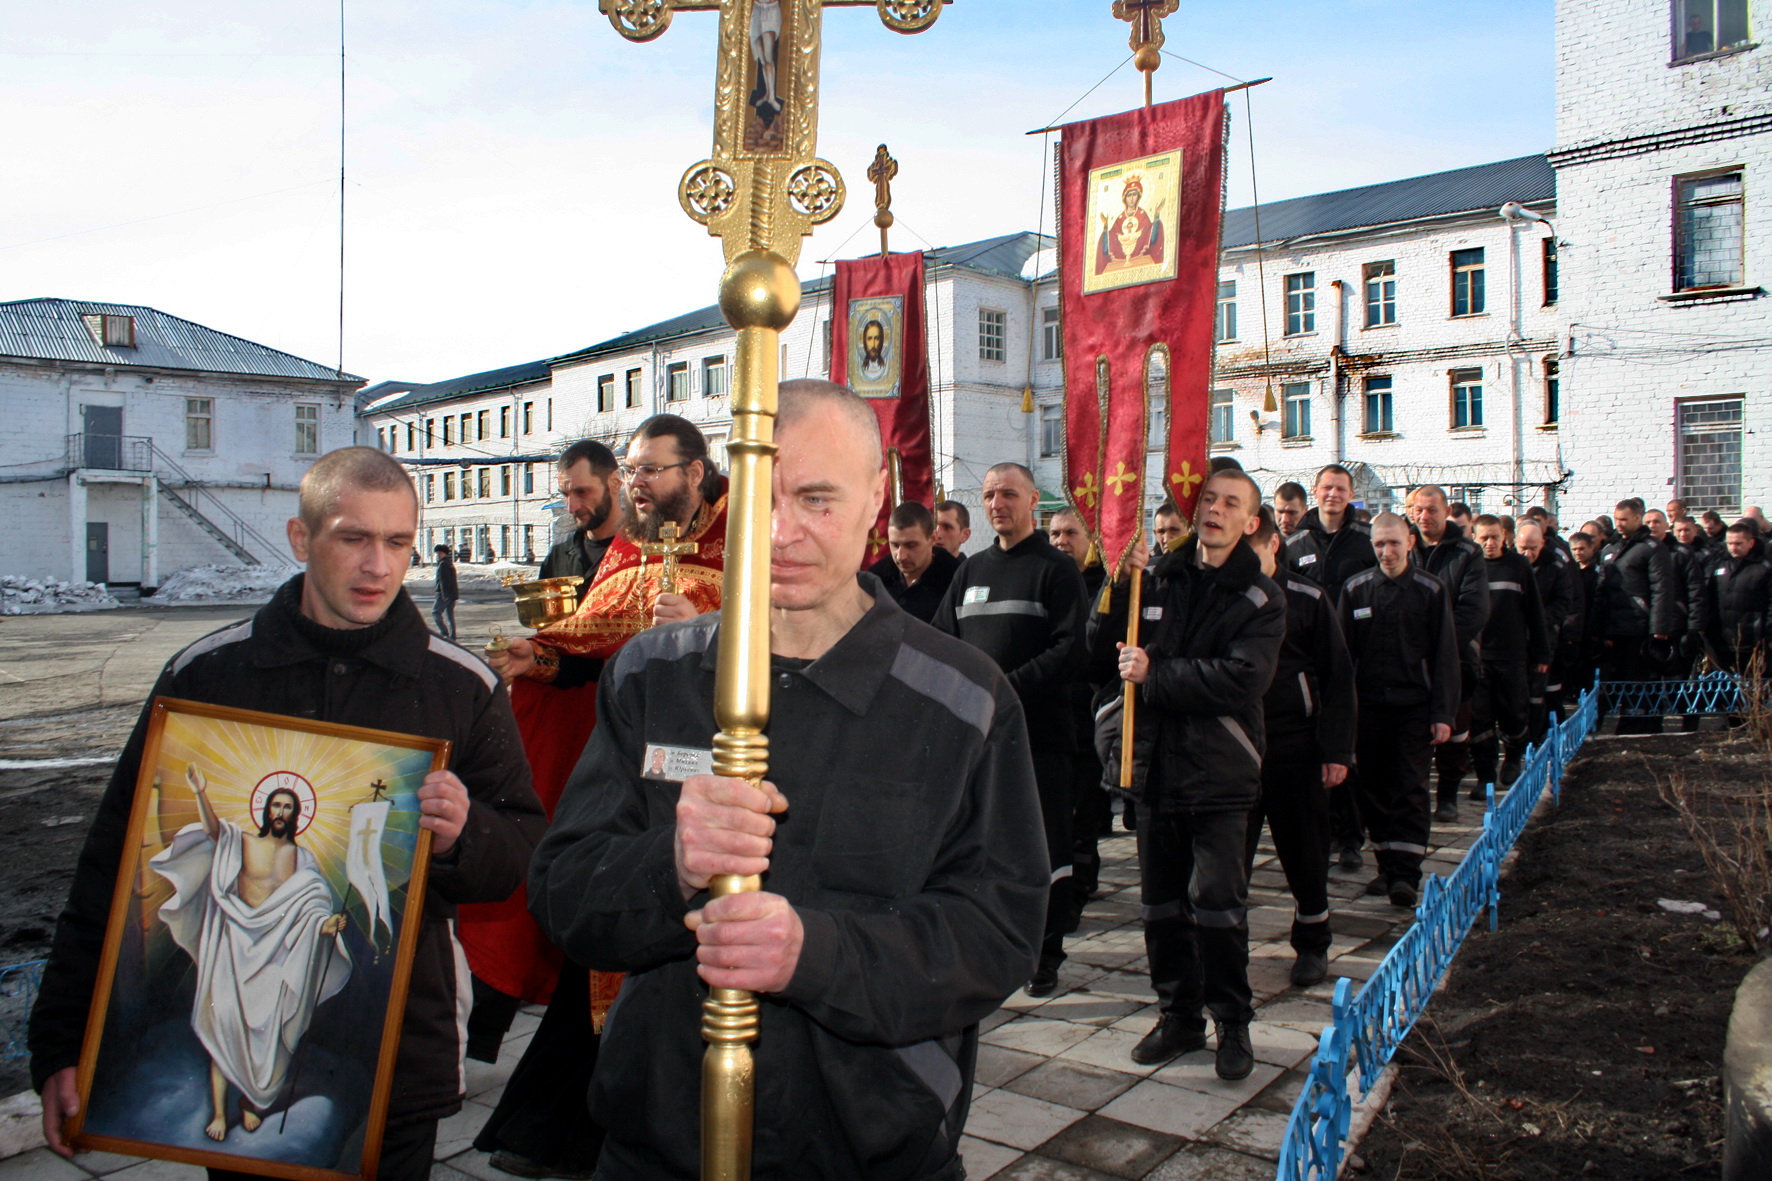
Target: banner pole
point(1133, 612)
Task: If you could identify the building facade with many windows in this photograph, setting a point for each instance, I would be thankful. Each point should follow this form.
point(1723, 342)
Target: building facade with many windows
point(1664, 165)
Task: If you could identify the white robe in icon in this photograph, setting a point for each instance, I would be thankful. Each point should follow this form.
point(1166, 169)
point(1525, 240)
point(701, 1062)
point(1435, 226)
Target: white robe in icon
point(261, 971)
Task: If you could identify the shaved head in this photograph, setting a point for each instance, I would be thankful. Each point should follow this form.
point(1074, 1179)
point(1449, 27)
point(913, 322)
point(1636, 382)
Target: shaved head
point(795, 399)
point(362, 469)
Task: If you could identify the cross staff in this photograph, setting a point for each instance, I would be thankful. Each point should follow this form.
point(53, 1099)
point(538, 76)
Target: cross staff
point(881, 172)
point(1146, 17)
point(670, 549)
point(760, 193)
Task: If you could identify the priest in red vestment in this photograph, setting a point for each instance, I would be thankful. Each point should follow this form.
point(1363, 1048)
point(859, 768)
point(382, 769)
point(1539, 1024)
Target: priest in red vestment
point(540, 1128)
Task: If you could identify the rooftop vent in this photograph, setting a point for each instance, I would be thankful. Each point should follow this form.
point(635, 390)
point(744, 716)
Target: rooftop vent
point(117, 332)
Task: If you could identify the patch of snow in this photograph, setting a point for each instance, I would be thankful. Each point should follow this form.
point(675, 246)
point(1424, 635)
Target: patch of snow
point(49, 596)
point(474, 576)
point(220, 584)
point(1676, 907)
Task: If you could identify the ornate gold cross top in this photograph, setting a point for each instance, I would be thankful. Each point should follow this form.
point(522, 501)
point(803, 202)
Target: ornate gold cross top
point(670, 549)
point(881, 172)
point(1146, 17)
point(765, 187)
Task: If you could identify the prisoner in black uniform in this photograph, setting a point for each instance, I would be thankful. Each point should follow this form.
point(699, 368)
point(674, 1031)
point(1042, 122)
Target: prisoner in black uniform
point(1443, 550)
point(1558, 580)
point(1310, 712)
point(1020, 602)
point(1091, 810)
point(590, 487)
point(1734, 602)
point(1399, 629)
point(1516, 648)
point(1638, 608)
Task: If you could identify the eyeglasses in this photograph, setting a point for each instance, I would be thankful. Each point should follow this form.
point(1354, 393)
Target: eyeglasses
point(648, 471)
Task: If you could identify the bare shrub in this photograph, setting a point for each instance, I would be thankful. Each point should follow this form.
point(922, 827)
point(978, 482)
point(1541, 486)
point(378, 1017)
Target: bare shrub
point(1733, 832)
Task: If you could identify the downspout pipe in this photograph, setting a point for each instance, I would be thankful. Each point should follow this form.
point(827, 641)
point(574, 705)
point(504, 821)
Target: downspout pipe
point(1336, 352)
point(1516, 215)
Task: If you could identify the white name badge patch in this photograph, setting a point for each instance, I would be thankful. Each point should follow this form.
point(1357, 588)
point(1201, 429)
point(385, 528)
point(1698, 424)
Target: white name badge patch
point(976, 594)
point(1153, 613)
point(1308, 560)
point(1362, 613)
point(673, 764)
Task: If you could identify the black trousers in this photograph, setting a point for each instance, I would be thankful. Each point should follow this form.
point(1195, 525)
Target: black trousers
point(1395, 750)
point(1501, 714)
point(1452, 760)
point(544, 1113)
point(1092, 817)
point(406, 1152)
point(1344, 815)
point(1052, 777)
point(1625, 658)
point(1296, 808)
point(1194, 884)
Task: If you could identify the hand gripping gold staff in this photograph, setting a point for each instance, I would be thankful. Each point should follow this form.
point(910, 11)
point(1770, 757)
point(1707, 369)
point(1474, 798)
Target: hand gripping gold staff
point(761, 193)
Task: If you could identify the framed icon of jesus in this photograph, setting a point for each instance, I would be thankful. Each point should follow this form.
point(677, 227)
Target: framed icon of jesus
point(255, 967)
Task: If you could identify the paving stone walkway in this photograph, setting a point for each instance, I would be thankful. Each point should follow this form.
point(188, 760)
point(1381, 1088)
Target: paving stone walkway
point(1057, 1095)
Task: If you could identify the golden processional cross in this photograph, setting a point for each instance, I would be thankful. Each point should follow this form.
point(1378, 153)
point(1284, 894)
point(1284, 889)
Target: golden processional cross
point(670, 549)
point(761, 192)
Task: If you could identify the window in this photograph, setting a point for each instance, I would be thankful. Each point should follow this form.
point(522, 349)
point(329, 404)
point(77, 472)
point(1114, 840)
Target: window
point(1157, 429)
point(1552, 392)
point(1708, 232)
point(504, 422)
point(430, 431)
point(528, 542)
point(1708, 26)
point(1297, 400)
point(1381, 294)
point(1550, 269)
point(448, 430)
point(1301, 303)
point(677, 381)
point(448, 485)
point(1225, 327)
point(199, 424)
point(1467, 398)
point(824, 332)
point(307, 428)
point(504, 540)
point(528, 479)
point(1378, 419)
point(1051, 335)
point(1051, 430)
point(1467, 282)
point(992, 327)
point(430, 483)
point(713, 377)
point(1710, 455)
point(550, 414)
point(467, 483)
point(381, 439)
point(467, 428)
point(411, 437)
point(633, 388)
point(504, 480)
point(111, 331)
point(485, 483)
point(529, 418)
point(480, 423)
point(606, 392)
point(1221, 427)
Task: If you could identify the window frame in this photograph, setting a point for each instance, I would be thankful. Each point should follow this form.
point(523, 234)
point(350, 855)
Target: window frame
point(307, 428)
point(1680, 205)
point(1549, 275)
point(1678, 15)
point(205, 416)
point(677, 381)
point(1051, 333)
point(634, 389)
point(993, 334)
point(710, 367)
point(1295, 411)
point(1473, 405)
point(1551, 385)
point(529, 418)
point(1224, 314)
point(1385, 280)
point(483, 485)
point(1682, 485)
point(1386, 422)
point(1051, 430)
point(1227, 406)
point(1306, 310)
point(606, 394)
point(1474, 280)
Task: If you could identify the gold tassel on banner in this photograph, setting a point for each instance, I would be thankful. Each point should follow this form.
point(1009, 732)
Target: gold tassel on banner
point(1027, 399)
point(1268, 403)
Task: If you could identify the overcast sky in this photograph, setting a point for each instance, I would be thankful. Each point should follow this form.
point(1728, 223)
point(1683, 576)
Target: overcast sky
point(512, 164)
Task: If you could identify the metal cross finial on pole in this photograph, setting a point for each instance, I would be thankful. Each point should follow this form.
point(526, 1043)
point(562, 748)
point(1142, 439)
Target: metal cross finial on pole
point(762, 191)
point(1147, 38)
point(670, 549)
point(881, 172)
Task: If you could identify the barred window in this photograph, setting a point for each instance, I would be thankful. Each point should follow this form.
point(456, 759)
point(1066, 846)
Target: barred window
point(1707, 230)
point(1709, 443)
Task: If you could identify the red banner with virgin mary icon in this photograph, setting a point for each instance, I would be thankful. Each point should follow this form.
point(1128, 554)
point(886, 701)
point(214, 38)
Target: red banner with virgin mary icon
point(1141, 197)
point(879, 351)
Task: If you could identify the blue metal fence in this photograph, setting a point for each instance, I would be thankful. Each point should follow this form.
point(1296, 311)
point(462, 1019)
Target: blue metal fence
point(18, 992)
point(1367, 1029)
point(1715, 692)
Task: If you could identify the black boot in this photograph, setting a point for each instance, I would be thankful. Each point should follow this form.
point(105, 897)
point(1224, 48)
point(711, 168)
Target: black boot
point(1173, 1035)
point(1236, 1057)
point(1311, 967)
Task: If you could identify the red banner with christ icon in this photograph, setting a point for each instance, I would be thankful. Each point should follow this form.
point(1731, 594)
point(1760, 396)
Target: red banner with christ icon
point(1140, 203)
point(879, 351)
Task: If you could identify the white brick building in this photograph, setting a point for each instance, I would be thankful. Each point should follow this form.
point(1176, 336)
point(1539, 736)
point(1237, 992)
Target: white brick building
point(138, 443)
point(1664, 163)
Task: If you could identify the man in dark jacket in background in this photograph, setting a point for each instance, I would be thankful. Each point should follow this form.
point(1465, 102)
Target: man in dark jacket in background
point(915, 571)
point(591, 488)
point(1444, 551)
point(1021, 603)
point(1092, 815)
point(1209, 642)
point(1638, 606)
point(1516, 650)
point(340, 643)
point(898, 829)
point(1310, 712)
point(1733, 606)
point(1399, 629)
point(446, 591)
point(1558, 581)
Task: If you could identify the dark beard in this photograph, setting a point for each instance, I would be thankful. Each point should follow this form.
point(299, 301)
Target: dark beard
point(595, 518)
point(677, 507)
